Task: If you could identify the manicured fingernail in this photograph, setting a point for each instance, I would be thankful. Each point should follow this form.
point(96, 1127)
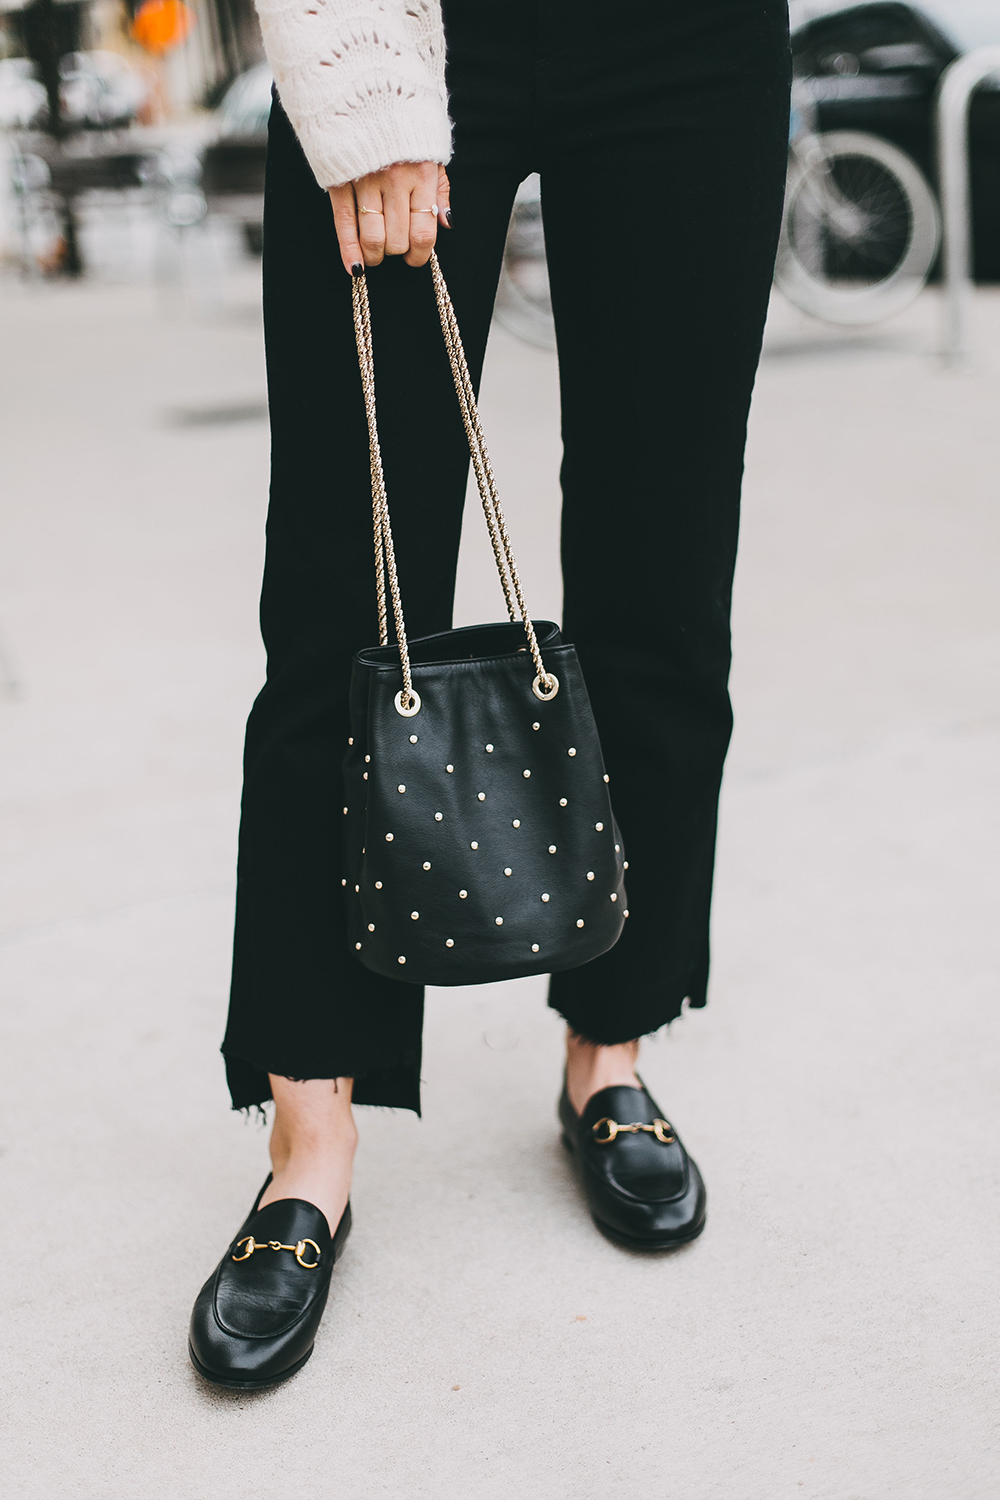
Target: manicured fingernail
point(357, 269)
point(447, 214)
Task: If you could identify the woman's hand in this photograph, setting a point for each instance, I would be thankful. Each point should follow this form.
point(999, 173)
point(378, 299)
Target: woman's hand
point(386, 213)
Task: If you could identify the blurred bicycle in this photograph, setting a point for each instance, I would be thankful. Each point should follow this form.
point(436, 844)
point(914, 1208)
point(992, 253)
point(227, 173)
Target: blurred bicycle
point(859, 235)
point(523, 304)
point(861, 227)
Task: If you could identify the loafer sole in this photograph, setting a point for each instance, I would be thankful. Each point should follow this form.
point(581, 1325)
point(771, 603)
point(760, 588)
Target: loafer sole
point(632, 1243)
point(233, 1384)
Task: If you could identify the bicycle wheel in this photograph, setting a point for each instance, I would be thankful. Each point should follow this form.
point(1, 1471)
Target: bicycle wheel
point(860, 230)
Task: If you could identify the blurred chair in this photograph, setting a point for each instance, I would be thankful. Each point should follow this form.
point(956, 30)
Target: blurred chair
point(233, 165)
point(56, 181)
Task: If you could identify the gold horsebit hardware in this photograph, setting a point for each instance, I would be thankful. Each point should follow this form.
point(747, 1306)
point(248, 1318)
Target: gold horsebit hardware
point(660, 1128)
point(298, 1250)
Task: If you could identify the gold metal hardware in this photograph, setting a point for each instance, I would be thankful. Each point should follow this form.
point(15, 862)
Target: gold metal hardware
point(385, 557)
point(407, 702)
point(298, 1250)
point(660, 1128)
point(400, 701)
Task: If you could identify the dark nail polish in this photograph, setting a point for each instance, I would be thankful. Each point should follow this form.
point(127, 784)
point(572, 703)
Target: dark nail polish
point(357, 269)
point(447, 214)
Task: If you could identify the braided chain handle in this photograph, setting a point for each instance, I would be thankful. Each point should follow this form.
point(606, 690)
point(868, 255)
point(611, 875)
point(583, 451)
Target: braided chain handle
point(546, 684)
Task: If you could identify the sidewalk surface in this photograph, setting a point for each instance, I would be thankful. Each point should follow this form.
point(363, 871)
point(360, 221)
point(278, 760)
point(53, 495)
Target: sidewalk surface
point(833, 1335)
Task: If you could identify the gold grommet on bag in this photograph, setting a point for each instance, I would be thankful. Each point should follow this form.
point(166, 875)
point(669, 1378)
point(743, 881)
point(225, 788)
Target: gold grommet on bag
point(399, 704)
point(551, 682)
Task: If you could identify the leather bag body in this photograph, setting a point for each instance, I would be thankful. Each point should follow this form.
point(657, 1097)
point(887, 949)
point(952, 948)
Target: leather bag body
point(479, 841)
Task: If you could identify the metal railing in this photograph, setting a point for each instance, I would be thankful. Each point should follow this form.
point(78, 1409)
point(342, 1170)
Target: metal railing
point(958, 82)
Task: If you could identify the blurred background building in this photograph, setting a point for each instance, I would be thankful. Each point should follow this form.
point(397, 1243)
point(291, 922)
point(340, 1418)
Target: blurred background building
point(148, 115)
point(122, 105)
point(183, 54)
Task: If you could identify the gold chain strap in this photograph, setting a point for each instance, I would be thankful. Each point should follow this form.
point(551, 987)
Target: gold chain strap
point(546, 684)
point(477, 443)
point(407, 702)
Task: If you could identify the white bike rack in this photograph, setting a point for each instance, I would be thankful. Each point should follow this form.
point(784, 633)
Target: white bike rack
point(958, 82)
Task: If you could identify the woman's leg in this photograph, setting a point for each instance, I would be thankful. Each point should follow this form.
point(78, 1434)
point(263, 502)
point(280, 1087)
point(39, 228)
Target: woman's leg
point(312, 1143)
point(686, 129)
point(307, 1023)
point(591, 1067)
point(302, 1007)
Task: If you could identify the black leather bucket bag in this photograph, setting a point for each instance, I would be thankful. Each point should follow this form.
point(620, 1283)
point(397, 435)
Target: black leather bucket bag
point(479, 839)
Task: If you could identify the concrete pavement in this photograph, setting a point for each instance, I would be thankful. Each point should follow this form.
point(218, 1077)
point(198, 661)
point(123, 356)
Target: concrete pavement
point(832, 1336)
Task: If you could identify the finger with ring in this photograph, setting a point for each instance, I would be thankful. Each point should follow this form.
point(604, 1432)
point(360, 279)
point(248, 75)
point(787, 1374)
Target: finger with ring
point(372, 224)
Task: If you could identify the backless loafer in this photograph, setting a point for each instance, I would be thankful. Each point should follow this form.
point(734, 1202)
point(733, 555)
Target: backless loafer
point(642, 1188)
point(256, 1317)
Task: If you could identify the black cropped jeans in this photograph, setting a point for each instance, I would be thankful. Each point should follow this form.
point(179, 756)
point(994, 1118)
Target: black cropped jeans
point(660, 132)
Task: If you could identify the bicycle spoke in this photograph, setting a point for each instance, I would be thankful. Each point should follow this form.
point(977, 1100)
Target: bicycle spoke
point(855, 225)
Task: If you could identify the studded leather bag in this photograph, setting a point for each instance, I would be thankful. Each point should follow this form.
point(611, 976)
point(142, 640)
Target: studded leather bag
point(479, 841)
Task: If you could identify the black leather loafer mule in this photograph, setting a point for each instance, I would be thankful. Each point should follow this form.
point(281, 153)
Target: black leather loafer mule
point(256, 1317)
point(642, 1188)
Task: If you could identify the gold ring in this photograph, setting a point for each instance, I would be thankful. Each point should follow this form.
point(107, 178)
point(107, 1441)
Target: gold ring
point(369, 210)
point(432, 210)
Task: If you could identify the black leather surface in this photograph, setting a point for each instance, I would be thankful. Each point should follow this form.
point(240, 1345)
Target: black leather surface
point(641, 1192)
point(461, 829)
point(254, 1322)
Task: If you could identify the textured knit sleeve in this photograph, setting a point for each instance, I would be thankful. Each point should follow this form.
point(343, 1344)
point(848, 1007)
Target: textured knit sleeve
point(362, 81)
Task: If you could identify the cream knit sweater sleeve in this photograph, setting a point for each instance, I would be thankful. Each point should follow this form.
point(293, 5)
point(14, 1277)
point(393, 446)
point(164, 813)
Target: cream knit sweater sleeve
point(362, 81)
